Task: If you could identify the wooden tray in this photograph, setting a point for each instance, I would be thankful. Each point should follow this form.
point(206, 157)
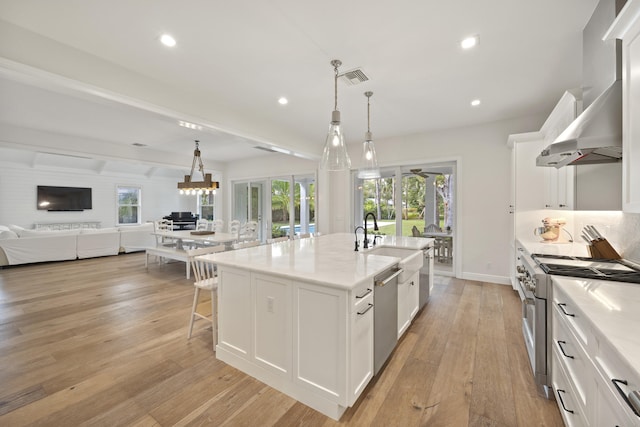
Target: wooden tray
point(202, 233)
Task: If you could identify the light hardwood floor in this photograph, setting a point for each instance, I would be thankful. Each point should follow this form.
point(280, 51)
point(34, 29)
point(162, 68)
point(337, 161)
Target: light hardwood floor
point(102, 342)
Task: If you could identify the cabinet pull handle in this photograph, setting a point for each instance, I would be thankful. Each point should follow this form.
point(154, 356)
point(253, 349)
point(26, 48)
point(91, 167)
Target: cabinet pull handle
point(367, 292)
point(412, 284)
point(562, 401)
point(562, 306)
point(624, 396)
point(562, 350)
point(369, 307)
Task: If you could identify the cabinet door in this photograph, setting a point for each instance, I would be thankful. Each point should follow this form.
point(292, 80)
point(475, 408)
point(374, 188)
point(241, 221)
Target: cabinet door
point(321, 317)
point(235, 313)
point(413, 302)
point(630, 122)
point(272, 311)
point(403, 308)
point(361, 360)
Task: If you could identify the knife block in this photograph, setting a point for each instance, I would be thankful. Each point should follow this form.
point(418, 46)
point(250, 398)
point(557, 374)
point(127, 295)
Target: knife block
point(602, 249)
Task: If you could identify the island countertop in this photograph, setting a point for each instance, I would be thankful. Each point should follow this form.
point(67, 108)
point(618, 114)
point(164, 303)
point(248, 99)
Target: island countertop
point(328, 259)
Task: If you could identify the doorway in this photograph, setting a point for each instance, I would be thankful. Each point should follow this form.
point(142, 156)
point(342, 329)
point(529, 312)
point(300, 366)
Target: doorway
point(414, 200)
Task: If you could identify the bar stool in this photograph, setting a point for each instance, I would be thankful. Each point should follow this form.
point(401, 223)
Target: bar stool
point(205, 279)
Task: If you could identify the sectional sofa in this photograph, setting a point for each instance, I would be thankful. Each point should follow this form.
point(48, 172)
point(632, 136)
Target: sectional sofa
point(23, 246)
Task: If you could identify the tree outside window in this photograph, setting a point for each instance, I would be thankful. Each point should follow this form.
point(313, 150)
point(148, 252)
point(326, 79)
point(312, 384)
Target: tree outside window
point(129, 211)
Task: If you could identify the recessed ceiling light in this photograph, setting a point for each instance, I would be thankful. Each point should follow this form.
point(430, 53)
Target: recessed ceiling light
point(475, 102)
point(469, 42)
point(283, 100)
point(167, 40)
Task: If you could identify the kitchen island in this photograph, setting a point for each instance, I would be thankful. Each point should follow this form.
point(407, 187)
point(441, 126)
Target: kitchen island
point(298, 315)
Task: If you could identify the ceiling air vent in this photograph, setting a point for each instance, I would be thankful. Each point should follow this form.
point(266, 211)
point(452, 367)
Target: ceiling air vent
point(354, 77)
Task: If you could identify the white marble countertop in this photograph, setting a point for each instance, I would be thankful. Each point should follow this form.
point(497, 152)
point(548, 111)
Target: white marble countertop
point(537, 246)
point(612, 310)
point(328, 259)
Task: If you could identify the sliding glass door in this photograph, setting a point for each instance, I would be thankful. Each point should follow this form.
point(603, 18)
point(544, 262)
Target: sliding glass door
point(289, 209)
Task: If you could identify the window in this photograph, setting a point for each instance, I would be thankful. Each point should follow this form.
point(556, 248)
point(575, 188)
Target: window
point(206, 205)
point(129, 205)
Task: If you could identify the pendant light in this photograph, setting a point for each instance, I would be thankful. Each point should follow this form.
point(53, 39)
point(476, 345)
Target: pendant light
point(369, 165)
point(335, 156)
point(189, 186)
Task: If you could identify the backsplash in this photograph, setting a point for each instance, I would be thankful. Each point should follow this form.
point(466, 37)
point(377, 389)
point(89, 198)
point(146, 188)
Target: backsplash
point(621, 229)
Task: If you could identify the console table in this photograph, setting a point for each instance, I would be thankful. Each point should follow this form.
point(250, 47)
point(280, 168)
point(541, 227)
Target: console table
point(65, 225)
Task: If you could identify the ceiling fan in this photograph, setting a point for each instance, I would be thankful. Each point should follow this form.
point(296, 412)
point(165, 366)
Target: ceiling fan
point(425, 174)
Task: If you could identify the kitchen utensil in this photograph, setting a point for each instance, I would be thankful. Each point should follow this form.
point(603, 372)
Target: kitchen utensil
point(598, 247)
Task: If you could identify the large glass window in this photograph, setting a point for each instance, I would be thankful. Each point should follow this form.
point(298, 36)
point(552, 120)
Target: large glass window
point(129, 211)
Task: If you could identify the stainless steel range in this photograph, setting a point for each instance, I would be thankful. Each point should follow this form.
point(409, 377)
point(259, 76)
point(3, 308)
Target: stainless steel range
point(534, 287)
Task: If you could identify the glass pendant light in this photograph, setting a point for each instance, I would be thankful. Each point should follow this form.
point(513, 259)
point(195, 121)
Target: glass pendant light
point(369, 165)
point(335, 156)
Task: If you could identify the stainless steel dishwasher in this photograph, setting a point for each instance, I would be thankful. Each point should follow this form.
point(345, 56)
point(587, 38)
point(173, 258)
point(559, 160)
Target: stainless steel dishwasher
point(385, 316)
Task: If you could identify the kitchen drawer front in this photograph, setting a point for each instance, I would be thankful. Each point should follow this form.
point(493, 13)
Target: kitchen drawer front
point(610, 367)
point(361, 297)
point(608, 411)
point(571, 355)
point(565, 395)
point(569, 312)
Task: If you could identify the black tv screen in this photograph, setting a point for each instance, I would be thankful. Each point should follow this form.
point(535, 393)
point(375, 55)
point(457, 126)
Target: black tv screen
point(63, 198)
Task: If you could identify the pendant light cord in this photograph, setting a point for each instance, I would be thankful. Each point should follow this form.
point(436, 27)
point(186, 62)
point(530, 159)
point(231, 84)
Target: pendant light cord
point(335, 88)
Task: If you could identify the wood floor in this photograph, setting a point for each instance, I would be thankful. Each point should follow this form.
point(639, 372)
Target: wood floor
point(102, 342)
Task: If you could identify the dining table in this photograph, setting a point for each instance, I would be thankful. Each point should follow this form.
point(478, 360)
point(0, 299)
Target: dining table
point(180, 236)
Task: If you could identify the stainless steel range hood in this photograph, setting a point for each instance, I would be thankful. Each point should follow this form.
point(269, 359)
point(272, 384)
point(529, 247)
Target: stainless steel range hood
point(595, 136)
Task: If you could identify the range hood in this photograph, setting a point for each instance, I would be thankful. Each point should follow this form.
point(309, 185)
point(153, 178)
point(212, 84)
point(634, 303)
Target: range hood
point(595, 136)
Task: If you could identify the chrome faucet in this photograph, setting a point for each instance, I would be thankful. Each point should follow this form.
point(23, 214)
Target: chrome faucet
point(375, 228)
point(356, 233)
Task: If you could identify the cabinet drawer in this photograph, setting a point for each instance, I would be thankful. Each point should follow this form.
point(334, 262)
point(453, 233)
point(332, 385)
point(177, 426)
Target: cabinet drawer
point(610, 367)
point(569, 312)
point(565, 395)
point(361, 297)
point(571, 355)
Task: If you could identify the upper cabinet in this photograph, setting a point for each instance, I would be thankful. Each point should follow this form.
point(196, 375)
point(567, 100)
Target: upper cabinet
point(627, 27)
point(559, 184)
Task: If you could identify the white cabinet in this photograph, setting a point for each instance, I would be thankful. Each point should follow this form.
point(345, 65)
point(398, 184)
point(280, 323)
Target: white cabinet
point(235, 317)
point(559, 184)
point(586, 371)
point(408, 302)
point(361, 360)
point(627, 27)
point(559, 188)
point(312, 341)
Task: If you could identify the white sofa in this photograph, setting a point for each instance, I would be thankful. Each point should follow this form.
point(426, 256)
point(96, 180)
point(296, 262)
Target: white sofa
point(22, 246)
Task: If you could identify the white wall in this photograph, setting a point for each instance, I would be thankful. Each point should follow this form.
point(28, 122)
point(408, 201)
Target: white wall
point(18, 184)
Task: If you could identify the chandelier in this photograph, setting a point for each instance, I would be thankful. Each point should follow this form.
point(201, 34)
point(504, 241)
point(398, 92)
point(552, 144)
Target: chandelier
point(189, 186)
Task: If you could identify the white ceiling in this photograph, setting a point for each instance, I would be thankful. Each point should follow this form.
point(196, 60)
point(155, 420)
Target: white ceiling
point(234, 59)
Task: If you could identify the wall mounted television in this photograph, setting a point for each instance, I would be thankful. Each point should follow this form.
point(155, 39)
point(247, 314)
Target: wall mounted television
point(63, 198)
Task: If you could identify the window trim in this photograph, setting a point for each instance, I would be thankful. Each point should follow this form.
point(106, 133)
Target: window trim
point(118, 205)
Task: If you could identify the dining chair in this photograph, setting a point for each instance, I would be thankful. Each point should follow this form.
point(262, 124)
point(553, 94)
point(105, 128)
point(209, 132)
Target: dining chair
point(249, 231)
point(163, 225)
point(205, 279)
point(234, 228)
point(432, 228)
point(415, 232)
point(217, 225)
point(202, 225)
point(243, 245)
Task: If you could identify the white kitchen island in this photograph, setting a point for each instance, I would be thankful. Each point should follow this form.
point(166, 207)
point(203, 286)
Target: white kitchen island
point(298, 316)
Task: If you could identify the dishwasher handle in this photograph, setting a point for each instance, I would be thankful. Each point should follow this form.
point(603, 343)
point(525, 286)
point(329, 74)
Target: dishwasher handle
point(393, 275)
